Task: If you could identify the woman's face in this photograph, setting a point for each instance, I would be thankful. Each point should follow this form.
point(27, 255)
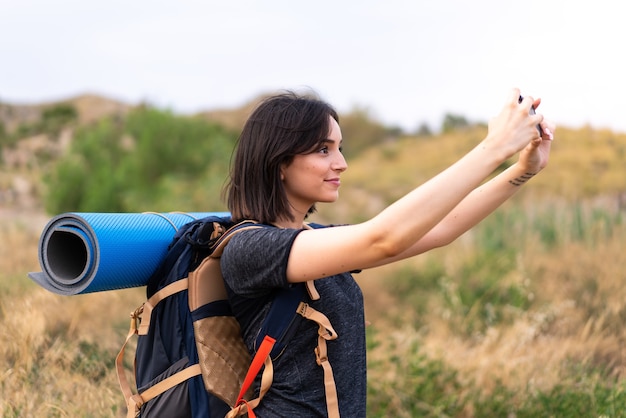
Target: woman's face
point(315, 177)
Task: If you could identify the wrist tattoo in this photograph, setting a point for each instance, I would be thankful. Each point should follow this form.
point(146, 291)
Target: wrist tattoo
point(518, 181)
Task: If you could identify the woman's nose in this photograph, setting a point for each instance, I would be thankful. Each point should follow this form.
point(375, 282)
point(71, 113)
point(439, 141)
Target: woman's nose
point(340, 163)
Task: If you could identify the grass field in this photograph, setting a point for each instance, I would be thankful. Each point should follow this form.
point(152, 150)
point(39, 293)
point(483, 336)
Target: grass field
point(521, 317)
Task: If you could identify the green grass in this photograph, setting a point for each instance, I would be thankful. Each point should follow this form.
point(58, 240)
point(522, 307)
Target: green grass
point(429, 388)
point(522, 317)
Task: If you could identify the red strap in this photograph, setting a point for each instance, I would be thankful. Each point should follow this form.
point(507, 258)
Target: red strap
point(257, 362)
point(248, 408)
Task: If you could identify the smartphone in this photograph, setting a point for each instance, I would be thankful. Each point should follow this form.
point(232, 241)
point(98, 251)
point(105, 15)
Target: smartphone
point(532, 112)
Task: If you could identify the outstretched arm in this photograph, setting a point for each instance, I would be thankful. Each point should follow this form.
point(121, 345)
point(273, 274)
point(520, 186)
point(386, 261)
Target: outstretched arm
point(483, 200)
point(397, 232)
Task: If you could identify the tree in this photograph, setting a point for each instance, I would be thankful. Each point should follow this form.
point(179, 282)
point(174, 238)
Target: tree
point(453, 122)
point(139, 163)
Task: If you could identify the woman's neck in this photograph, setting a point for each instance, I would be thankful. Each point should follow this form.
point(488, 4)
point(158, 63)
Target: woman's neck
point(296, 223)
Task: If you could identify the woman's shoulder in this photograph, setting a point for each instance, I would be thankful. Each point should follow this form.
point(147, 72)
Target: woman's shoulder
point(263, 239)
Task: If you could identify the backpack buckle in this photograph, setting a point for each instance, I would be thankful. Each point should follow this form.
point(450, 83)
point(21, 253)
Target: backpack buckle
point(301, 309)
point(135, 318)
point(319, 357)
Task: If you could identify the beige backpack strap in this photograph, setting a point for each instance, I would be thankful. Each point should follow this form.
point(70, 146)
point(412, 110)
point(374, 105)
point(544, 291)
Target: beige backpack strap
point(135, 402)
point(325, 332)
point(223, 240)
point(139, 325)
point(310, 284)
point(310, 287)
point(119, 361)
point(148, 306)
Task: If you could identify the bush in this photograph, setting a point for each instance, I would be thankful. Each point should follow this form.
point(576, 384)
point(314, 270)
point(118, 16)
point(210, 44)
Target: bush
point(135, 165)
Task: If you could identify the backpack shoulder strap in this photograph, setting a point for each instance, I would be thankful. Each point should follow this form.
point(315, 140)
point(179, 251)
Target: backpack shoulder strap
point(278, 327)
point(264, 354)
point(281, 317)
point(223, 240)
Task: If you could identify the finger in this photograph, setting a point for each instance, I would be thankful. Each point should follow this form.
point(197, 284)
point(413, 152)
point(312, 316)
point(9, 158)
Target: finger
point(547, 128)
point(515, 95)
point(547, 134)
point(536, 103)
point(536, 141)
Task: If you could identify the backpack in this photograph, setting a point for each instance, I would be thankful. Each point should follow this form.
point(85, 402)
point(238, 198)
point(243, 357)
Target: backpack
point(190, 359)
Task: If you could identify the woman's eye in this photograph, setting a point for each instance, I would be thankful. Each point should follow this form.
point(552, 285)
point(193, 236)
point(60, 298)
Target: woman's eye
point(324, 150)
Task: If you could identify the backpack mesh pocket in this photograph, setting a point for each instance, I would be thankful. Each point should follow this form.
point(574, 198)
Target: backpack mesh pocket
point(222, 354)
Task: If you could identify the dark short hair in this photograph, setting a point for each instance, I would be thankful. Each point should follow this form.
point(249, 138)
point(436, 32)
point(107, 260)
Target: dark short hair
point(282, 126)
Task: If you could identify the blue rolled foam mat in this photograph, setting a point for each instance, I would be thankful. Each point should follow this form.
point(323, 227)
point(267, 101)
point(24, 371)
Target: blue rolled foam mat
point(95, 252)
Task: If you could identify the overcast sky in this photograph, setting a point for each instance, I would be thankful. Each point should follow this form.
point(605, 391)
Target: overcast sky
point(407, 61)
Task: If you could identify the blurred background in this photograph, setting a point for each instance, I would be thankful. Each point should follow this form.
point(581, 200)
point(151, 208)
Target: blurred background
point(135, 106)
point(409, 62)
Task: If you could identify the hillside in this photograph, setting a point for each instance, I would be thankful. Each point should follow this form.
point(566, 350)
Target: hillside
point(28, 147)
point(34, 136)
point(90, 108)
point(521, 317)
point(585, 163)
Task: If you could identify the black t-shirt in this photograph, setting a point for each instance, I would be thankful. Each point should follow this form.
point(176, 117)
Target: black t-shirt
point(254, 264)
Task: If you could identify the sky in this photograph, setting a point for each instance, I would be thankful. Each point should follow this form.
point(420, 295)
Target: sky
point(407, 62)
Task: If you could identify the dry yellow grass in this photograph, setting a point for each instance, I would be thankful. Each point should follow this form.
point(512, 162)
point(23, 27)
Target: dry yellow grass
point(54, 347)
point(575, 322)
point(57, 352)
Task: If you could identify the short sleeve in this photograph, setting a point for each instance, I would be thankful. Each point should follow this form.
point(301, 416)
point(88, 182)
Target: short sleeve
point(255, 261)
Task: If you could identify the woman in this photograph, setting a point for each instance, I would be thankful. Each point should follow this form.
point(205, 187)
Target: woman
point(288, 158)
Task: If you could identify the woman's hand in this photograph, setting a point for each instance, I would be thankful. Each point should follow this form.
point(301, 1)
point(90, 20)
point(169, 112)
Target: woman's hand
point(514, 127)
point(534, 157)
